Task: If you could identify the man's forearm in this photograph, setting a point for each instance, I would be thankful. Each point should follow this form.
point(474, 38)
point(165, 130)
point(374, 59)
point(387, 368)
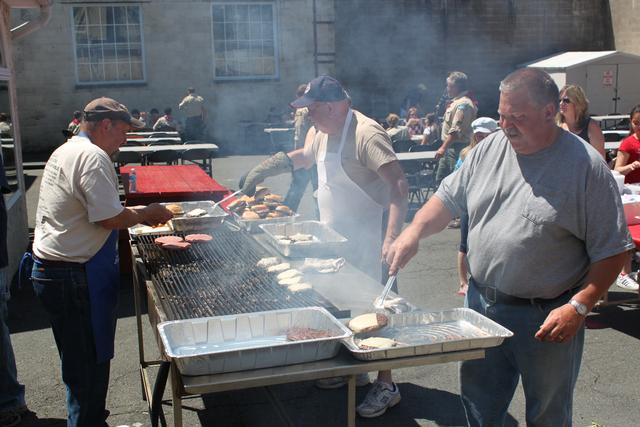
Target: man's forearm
point(600, 277)
point(397, 214)
point(432, 218)
point(125, 219)
point(448, 140)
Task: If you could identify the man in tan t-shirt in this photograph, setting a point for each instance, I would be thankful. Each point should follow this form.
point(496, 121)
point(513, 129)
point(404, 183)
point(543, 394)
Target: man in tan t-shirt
point(193, 107)
point(360, 181)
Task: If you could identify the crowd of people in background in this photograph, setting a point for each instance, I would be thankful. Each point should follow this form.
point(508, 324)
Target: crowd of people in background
point(192, 106)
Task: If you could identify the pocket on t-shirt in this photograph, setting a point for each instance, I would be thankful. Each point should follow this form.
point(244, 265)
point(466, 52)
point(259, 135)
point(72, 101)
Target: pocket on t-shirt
point(544, 205)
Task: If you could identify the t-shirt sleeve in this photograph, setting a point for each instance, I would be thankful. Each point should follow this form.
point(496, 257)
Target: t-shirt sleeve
point(626, 145)
point(452, 189)
point(377, 151)
point(606, 231)
point(99, 189)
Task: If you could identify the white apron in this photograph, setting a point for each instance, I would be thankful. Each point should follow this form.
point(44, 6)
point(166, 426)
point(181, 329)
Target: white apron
point(349, 210)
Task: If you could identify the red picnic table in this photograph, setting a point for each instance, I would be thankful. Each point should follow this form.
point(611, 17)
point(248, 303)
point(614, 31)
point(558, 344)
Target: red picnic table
point(172, 183)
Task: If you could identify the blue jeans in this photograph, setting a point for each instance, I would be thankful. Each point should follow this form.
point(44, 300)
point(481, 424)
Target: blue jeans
point(65, 295)
point(11, 391)
point(548, 370)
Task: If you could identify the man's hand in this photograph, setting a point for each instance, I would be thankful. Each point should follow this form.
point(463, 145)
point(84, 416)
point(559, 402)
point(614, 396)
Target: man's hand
point(560, 325)
point(155, 214)
point(274, 165)
point(403, 249)
point(440, 153)
point(386, 246)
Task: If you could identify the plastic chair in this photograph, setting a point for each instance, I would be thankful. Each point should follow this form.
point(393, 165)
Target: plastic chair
point(201, 157)
point(169, 157)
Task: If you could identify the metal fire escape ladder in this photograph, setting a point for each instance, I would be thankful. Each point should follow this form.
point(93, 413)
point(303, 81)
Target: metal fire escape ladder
point(320, 27)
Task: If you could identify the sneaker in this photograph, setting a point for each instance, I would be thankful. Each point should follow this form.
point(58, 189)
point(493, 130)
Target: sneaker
point(625, 281)
point(380, 397)
point(337, 382)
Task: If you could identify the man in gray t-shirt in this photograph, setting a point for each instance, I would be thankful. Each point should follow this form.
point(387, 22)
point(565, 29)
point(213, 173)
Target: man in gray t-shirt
point(547, 237)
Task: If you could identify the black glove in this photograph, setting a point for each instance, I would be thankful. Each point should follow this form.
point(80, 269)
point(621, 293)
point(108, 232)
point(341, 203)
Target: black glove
point(274, 165)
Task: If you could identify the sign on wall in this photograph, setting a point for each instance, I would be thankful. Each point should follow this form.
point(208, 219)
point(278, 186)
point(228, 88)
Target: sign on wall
point(607, 78)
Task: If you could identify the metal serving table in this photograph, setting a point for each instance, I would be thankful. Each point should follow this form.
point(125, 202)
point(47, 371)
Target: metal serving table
point(160, 310)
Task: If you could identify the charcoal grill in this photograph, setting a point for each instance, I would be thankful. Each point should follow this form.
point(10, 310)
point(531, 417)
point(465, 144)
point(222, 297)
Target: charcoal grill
point(219, 277)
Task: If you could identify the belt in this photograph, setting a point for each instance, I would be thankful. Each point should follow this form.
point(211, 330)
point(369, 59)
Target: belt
point(49, 263)
point(493, 295)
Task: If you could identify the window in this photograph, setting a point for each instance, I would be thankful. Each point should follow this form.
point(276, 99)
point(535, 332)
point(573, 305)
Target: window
point(108, 44)
point(244, 44)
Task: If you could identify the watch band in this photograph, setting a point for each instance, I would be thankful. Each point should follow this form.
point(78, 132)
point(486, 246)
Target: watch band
point(580, 308)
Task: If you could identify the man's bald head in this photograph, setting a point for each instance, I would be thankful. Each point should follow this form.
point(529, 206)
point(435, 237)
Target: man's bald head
point(539, 85)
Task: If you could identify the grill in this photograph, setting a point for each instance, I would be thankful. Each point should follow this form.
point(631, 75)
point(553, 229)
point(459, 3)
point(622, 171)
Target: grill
point(219, 277)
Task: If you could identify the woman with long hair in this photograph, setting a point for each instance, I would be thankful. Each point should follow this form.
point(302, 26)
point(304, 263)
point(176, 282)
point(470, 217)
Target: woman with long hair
point(574, 117)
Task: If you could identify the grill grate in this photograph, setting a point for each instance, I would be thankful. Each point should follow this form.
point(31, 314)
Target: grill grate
point(219, 278)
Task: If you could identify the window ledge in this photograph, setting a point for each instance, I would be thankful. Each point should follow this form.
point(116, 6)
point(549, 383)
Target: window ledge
point(91, 86)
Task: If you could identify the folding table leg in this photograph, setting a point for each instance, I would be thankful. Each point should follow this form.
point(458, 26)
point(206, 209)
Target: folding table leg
point(351, 401)
point(158, 392)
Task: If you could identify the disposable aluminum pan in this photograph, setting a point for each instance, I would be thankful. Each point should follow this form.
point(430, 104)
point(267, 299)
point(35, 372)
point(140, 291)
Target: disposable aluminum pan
point(249, 341)
point(253, 225)
point(326, 242)
point(214, 216)
point(422, 332)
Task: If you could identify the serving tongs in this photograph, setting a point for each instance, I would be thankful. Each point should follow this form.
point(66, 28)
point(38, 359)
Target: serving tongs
point(224, 199)
point(379, 302)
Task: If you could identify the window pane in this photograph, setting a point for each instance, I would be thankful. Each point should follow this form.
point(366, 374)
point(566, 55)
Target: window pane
point(242, 12)
point(267, 31)
point(111, 42)
point(218, 31)
point(267, 13)
point(229, 31)
point(243, 31)
point(218, 13)
point(254, 13)
point(267, 48)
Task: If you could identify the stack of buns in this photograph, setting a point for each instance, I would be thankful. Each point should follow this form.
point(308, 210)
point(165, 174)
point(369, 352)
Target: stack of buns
point(263, 204)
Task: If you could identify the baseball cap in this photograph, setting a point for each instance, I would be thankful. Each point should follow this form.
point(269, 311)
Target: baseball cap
point(321, 89)
point(484, 125)
point(107, 108)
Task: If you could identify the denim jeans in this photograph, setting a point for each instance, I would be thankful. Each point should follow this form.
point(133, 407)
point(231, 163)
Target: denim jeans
point(65, 295)
point(548, 370)
point(11, 391)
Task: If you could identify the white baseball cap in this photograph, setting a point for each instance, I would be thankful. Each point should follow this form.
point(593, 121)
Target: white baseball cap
point(484, 125)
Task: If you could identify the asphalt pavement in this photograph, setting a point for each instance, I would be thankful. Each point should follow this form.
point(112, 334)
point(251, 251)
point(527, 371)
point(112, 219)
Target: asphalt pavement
point(607, 392)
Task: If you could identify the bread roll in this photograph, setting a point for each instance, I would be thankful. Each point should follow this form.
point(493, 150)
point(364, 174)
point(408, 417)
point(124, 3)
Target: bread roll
point(284, 209)
point(237, 205)
point(373, 343)
point(250, 215)
point(274, 198)
point(368, 322)
point(259, 208)
point(175, 209)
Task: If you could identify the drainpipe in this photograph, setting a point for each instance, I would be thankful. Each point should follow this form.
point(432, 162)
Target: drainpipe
point(29, 27)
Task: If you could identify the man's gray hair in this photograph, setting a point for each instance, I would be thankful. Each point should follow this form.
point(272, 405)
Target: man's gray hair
point(540, 86)
point(459, 79)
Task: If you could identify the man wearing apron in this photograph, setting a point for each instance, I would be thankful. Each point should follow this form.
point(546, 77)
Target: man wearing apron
point(360, 181)
point(76, 269)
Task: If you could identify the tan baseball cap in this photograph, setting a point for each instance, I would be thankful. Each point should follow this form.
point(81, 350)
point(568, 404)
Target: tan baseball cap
point(107, 108)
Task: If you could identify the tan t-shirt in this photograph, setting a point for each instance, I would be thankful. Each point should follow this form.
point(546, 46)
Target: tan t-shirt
point(79, 188)
point(367, 147)
point(458, 117)
point(192, 105)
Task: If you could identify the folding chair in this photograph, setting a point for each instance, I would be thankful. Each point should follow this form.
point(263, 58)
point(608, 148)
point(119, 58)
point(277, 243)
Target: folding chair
point(201, 157)
point(402, 146)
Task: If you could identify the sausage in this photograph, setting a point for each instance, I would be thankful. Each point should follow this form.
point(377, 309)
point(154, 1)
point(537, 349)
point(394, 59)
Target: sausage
point(197, 238)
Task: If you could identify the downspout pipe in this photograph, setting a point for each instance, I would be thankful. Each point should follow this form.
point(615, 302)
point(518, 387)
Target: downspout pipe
point(29, 27)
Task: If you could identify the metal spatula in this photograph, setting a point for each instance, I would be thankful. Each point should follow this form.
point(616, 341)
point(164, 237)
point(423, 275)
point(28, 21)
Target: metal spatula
point(379, 302)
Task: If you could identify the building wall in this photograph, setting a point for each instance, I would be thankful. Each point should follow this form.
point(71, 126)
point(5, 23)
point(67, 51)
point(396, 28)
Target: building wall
point(625, 28)
point(178, 54)
point(419, 41)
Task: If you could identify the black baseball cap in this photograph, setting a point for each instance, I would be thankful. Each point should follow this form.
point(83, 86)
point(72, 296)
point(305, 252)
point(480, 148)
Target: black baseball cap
point(321, 89)
point(107, 108)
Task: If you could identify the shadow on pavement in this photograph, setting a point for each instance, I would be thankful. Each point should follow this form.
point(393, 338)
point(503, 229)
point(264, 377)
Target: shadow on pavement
point(26, 312)
point(32, 420)
point(624, 318)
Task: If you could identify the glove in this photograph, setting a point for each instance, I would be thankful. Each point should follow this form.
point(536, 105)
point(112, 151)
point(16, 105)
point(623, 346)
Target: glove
point(274, 165)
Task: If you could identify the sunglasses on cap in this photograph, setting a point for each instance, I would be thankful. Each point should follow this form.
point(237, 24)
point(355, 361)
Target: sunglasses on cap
point(565, 100)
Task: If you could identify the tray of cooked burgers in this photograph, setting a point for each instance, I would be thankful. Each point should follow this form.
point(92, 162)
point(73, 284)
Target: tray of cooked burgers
point(196, 215)
point(263, 207)
point(305, 239)
point(387, 336)
point(239, 342)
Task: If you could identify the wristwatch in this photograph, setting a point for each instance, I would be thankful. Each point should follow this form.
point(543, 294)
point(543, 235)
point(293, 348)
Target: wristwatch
point(581, 309)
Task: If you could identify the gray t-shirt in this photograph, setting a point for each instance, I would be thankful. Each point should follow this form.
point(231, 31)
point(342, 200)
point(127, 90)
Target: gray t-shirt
point(536, 222)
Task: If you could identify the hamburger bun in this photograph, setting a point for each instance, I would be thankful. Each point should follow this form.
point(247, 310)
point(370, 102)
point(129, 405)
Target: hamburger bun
point(236, 205)
point(274, 198)
point(250, 215)
point(284, 209)
point(260, 207)
point(175, 209)
point(374, 343)
point(368, 322)
point(261, 192)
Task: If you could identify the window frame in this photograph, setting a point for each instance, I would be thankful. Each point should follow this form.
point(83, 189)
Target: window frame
point(75, 47)
point(276, 43)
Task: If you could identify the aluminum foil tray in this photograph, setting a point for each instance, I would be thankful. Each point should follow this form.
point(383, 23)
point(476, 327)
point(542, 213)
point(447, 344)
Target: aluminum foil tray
point(240, 342)
point(422, 332)
point(214, 216)
point(253, 225)
point(326, 241)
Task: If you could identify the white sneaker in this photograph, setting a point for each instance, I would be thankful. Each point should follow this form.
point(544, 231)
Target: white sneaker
point(380, 397)
point(625, 281)
point(337, 382)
